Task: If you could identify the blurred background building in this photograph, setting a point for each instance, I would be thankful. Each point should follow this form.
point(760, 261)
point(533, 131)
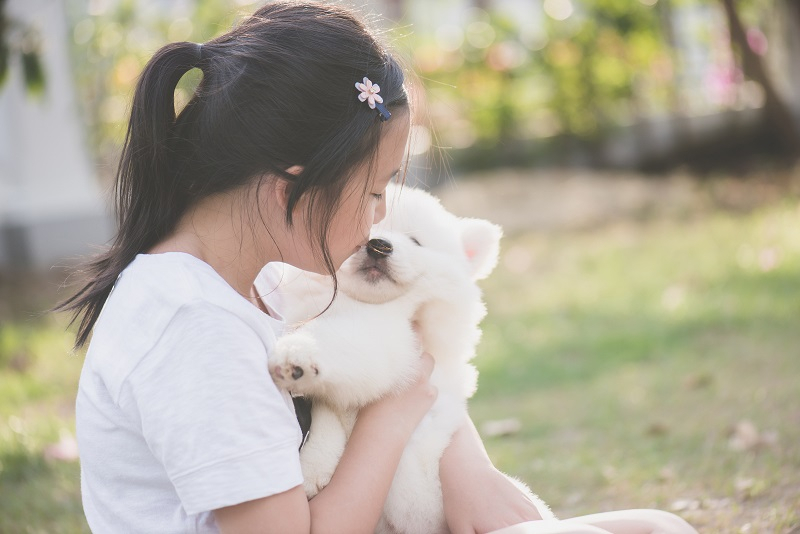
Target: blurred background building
point(51, 208)
point(621, 84)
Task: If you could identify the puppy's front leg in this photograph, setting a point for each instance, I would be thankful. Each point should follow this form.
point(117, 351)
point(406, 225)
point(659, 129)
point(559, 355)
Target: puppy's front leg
point(350, 360)
point(366, 356)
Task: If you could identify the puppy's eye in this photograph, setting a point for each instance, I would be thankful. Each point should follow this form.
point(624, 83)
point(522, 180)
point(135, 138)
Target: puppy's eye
point(414, 239)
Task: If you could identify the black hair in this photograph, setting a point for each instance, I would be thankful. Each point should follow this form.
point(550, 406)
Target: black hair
point(277, 91)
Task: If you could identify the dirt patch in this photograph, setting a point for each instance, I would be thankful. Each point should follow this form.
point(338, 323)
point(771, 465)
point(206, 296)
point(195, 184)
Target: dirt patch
point(553, 200)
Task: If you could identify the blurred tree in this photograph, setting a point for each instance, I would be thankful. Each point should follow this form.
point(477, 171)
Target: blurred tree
point(19, 39)
point(597, 62)
point(112, 41)
point(776, 112)
point(496, 82)
point(583, 70)
point(794, 6)
point(588, 68)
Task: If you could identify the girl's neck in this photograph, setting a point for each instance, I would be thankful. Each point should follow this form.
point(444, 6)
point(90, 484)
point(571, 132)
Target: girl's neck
point(219, 232)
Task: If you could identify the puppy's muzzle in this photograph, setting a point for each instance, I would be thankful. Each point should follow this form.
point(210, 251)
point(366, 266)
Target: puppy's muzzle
point(379, 249)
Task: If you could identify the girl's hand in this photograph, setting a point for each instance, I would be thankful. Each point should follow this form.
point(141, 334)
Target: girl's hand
point(403, 412)
point(485, 501)
point(477, 497)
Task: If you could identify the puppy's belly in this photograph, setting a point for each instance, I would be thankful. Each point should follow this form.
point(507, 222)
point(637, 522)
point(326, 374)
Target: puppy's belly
point(414, 504)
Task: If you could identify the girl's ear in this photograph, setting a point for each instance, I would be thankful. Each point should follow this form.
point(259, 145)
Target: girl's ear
point(283, 186)
point(481, 241)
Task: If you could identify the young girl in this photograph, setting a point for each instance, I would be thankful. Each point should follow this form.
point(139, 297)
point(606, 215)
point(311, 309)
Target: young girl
point(282, 154)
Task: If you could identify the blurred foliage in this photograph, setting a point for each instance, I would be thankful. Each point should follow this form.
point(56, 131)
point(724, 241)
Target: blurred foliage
point(493, 80)
point(24, 41)
point(629, 353)
point(112, 42)
point(589, 66)
point(574, 76)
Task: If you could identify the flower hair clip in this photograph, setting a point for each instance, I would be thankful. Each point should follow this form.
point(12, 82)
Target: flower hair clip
point(368, 92)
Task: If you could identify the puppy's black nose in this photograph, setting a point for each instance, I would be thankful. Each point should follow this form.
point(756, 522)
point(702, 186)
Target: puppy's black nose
point(379, 248)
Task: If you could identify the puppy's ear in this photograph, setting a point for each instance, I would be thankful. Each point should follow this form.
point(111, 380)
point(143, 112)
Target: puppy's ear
point(481, 241)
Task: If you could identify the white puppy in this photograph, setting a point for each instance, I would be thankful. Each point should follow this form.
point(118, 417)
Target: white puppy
point(413, 284)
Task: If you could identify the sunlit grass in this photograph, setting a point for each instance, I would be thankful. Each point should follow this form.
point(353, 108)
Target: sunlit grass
point(628, 353)
point(38, 381)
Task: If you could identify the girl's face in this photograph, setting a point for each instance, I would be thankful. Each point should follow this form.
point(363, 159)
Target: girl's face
point(350, 227)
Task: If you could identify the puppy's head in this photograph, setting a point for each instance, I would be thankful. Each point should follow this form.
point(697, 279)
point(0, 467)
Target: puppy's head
point(418, 243)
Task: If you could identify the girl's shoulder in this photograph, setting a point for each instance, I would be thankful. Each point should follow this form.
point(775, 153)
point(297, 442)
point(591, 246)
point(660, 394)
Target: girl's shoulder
point(154, 287)
point(172, 280)
point(179, 272)
point(163, 302)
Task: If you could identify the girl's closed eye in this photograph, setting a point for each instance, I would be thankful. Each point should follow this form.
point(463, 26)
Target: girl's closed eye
point(392, 178)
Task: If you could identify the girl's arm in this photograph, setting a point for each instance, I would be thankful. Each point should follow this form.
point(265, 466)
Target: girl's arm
point(477, 497)
point(353, 500)
point(285, 512)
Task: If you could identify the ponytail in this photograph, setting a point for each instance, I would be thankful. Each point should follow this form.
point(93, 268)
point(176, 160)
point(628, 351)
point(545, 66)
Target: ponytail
point(149, 200)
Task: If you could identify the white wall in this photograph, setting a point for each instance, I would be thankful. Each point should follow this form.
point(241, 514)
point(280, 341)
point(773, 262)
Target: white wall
point(51, 207)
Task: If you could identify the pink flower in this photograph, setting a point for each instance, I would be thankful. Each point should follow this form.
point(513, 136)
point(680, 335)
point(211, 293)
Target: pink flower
point(369, 92)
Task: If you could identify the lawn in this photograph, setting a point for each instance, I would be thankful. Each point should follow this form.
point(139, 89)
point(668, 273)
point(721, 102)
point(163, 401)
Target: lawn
point(650, 363)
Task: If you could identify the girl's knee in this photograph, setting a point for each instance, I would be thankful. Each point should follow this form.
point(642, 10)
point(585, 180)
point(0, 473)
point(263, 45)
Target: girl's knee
point(641, 521)
point(666, 522)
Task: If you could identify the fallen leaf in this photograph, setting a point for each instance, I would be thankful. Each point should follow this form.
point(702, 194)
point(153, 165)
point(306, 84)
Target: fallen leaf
point(749, 488)
point(716, 504)
point(66, 450)
point(698, 381)
point(501, 427)
point(745, 436)
point(682, 505)
point(609, 472)
point(657, 429)
point(666, 474)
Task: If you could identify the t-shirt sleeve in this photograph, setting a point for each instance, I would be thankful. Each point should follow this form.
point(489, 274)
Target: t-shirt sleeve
point(210, 412)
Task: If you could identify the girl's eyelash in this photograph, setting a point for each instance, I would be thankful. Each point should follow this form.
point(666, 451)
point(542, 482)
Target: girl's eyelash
point(377, 196)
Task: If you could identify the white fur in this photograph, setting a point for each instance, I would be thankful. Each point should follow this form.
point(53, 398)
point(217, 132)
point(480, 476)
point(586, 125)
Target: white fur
point(364, 346)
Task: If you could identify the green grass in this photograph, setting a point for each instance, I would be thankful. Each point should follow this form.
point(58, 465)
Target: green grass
point(38, 382)
point(627, 352)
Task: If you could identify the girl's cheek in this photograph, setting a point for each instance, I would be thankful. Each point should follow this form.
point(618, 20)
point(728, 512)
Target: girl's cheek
point(380, 212)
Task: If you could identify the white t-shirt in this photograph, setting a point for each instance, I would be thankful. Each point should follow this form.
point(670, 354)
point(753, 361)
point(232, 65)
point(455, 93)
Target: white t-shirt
point(176, 412)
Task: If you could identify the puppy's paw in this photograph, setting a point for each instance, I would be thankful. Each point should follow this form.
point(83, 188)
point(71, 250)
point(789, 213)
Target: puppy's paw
point(313, 485)
point(294, 366)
